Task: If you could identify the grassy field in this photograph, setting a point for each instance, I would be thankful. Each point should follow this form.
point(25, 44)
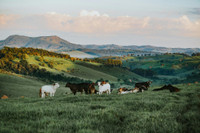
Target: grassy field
point(157, 112)
point(73, 69)
point(15, 86)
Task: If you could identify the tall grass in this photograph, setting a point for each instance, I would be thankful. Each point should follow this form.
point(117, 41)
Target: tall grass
point(149, 111)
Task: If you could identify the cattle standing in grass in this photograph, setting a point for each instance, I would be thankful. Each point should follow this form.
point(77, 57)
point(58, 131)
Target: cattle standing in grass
point(168, 87)
point(143, 85)
point(104, 88)
point(88, 88)
point(51, 89)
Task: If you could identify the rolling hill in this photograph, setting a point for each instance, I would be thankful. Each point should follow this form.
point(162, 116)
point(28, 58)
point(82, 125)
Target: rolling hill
point(58, 67)
point(24, 70)
point(57, 44)
point(53, 43)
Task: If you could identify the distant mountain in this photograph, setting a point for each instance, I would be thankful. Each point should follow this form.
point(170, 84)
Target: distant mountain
point(149, 48)
point(144, 48)
point(107, 46)
point(57, 44)
point(53, 43)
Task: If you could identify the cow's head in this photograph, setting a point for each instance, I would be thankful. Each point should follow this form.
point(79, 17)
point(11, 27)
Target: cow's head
point(56, 85)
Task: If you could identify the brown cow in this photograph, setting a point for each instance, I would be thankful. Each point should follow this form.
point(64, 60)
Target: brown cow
point(87, 87)
point(168, 87)
point(91, 89)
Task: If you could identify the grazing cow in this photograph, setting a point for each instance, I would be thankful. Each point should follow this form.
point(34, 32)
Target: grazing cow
point(48, 89)
point(87, 87)
point(143, 85)
point(168, 87)
point(103, 88)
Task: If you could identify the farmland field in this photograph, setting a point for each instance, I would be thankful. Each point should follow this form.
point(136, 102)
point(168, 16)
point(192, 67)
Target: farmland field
point(23, 71)
point(141, 112)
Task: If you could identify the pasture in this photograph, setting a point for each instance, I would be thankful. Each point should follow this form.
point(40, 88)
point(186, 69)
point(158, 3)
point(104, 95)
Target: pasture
point(149, 111)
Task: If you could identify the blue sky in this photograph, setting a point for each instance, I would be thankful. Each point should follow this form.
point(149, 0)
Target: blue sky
point(170, 23)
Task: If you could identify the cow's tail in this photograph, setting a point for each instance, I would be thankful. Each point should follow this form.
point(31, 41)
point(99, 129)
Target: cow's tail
point(40, 92)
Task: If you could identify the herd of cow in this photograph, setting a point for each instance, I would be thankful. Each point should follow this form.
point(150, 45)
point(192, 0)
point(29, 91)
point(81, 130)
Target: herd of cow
point(104, 87)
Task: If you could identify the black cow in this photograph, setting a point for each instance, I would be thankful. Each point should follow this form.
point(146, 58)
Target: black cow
point(143, 85)
point(168, 87)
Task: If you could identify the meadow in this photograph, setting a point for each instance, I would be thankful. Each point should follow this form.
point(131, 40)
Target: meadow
point(24, 71)
point(150, 111)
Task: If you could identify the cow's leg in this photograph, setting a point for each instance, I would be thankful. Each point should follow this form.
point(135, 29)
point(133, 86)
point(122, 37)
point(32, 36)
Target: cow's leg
point(109, 91)
point(43, 94)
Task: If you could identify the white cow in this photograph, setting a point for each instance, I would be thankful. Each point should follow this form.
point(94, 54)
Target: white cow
point(135, 90)
point(104, 88)
point(125, 92)
point(51, 89)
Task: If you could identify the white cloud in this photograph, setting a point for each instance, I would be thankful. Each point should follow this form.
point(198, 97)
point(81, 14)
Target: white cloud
point(92, 22)
point(6, 20)
point(85, 13)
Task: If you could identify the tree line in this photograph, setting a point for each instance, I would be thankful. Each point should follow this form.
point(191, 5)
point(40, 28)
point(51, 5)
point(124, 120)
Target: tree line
point(7, 55)
point(12, 53)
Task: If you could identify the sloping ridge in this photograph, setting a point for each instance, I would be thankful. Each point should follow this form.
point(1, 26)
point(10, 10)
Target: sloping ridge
point(55, 43)
point(44, 42)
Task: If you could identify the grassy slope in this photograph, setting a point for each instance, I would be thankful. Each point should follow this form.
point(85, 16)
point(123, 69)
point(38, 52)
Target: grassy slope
point(72, 69)
point(182, 65)
point(86, 70)
point(115, 71)
point(16, 86)
point(142, 112)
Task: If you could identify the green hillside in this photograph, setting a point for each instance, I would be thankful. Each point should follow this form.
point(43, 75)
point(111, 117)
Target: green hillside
point(61, 67)
point(167, 68)
point(23, 71)
point(15, 86)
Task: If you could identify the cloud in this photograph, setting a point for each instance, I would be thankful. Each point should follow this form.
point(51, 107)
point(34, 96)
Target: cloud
point(84, 13)
point(195, 11)
point(93, 22)
point(6, 20)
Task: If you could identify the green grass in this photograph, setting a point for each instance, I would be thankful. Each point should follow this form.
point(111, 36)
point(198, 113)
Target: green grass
point(71, 69)
point(15, 86)
point(149, 111)
point(114, 71)
point(85, 70)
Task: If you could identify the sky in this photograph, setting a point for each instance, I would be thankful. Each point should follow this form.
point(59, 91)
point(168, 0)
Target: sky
point(166, 23)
